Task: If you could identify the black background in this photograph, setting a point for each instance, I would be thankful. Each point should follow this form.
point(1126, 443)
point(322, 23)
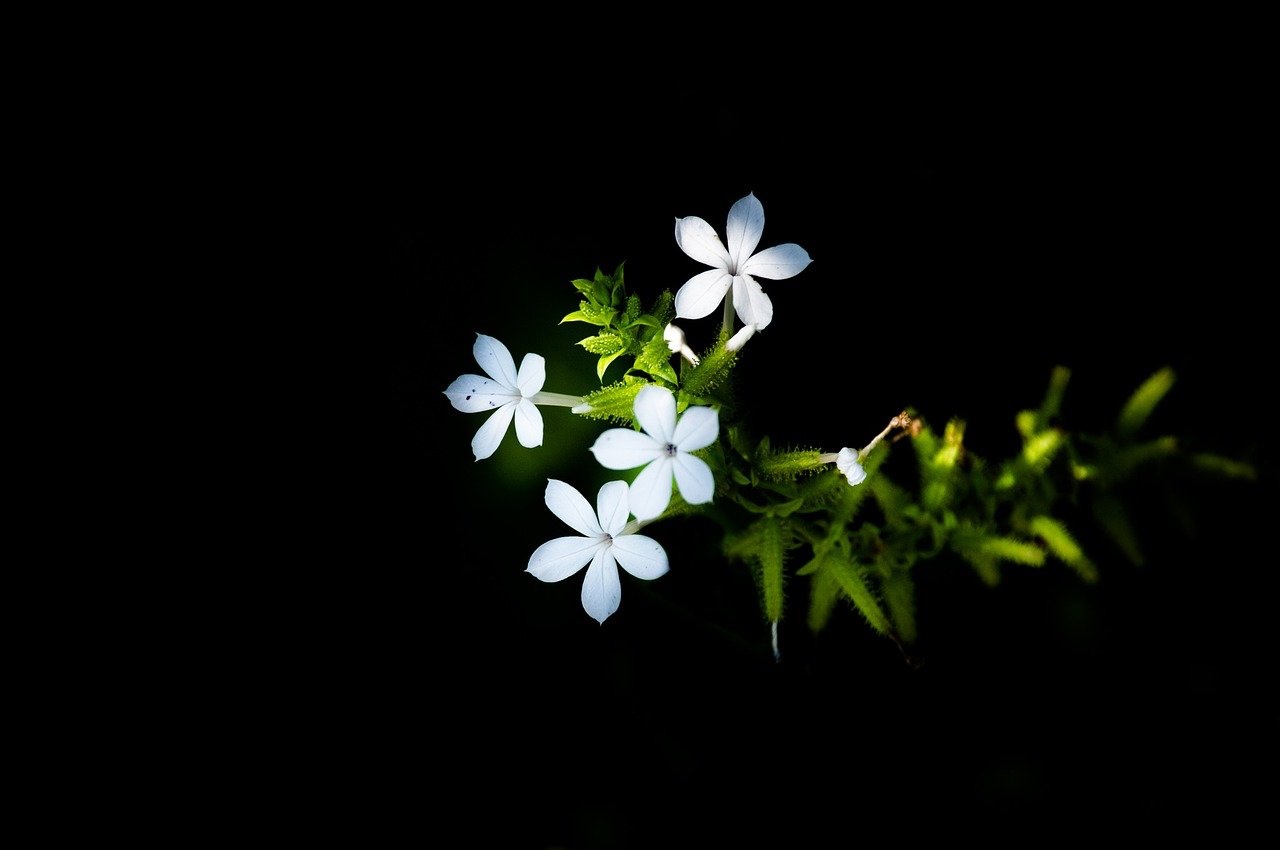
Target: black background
point(967, 236)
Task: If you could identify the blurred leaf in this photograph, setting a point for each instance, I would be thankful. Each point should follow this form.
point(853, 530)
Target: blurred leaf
point(1140, 405)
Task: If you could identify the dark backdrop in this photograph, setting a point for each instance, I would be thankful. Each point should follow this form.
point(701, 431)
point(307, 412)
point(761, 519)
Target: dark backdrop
point(967, 237)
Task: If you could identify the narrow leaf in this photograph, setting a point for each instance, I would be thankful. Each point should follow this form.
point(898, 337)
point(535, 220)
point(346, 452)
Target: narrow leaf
point(851, 582)
point(1143, 401)
point(823, 593)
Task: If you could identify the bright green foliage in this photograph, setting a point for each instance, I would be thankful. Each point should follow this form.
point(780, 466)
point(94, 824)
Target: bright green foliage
point(624, 329)
point(861, 543)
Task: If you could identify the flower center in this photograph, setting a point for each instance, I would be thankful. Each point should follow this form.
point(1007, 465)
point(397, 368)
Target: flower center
point(671, 450)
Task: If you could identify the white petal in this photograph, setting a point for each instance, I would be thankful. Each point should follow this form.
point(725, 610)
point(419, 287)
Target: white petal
point(528, 424)
point(651, 491)
point(601, 589)
point(655, 409)
point(474, 394)
point(622, 448)
point(778, 263)
point(746, 224)
point(641, 556)
point(751, 304)
point(693, 477)
point(699, 240)
point(533, 374)
point(495, 360)
point(702, 294)
point(486, 440)
point(572, 508)
point(560, 558)
point(697, 429)
point(613, 507)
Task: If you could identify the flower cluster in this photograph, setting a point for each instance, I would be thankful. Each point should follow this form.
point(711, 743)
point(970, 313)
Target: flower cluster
point(676, 439)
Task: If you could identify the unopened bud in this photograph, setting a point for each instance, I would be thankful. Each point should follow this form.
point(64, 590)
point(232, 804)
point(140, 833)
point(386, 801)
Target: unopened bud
point(739, 339)
point(677, 344)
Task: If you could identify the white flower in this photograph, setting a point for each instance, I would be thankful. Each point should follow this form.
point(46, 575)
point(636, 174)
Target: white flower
point(847, 462)
point(736, 267)
point(604, 545)
point(508, 393)
point(665, 447)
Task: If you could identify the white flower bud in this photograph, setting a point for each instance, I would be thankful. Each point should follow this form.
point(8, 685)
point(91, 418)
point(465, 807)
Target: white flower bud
point(847, 462)
point(677, 344)
point(739, 339)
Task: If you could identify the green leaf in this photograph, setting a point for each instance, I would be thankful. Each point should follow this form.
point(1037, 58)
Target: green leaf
point(1226, 467)
point(1110, 513)
point(786, 509)
point(600, 290)
point(655, 358)
point(772, 556)
point(900, 597)
point(1012, 549)
point(850, 579)
point(583, 286)
point(823, 593)
point(1143, 402)
point(643, 319)
point(591, 314)
point(1063, 546)
point(602, 365)
point(1052, 403)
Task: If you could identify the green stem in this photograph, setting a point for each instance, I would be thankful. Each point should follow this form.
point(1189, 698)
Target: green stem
point(728, 313)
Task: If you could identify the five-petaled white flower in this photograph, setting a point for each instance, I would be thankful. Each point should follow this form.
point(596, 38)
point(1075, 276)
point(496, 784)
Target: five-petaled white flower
point(847, 462)
point(736, 267)
point(605, 545)
point(508, 393)
point(665, 447)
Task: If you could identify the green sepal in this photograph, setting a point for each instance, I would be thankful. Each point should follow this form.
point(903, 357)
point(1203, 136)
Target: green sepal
point(615, 402)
